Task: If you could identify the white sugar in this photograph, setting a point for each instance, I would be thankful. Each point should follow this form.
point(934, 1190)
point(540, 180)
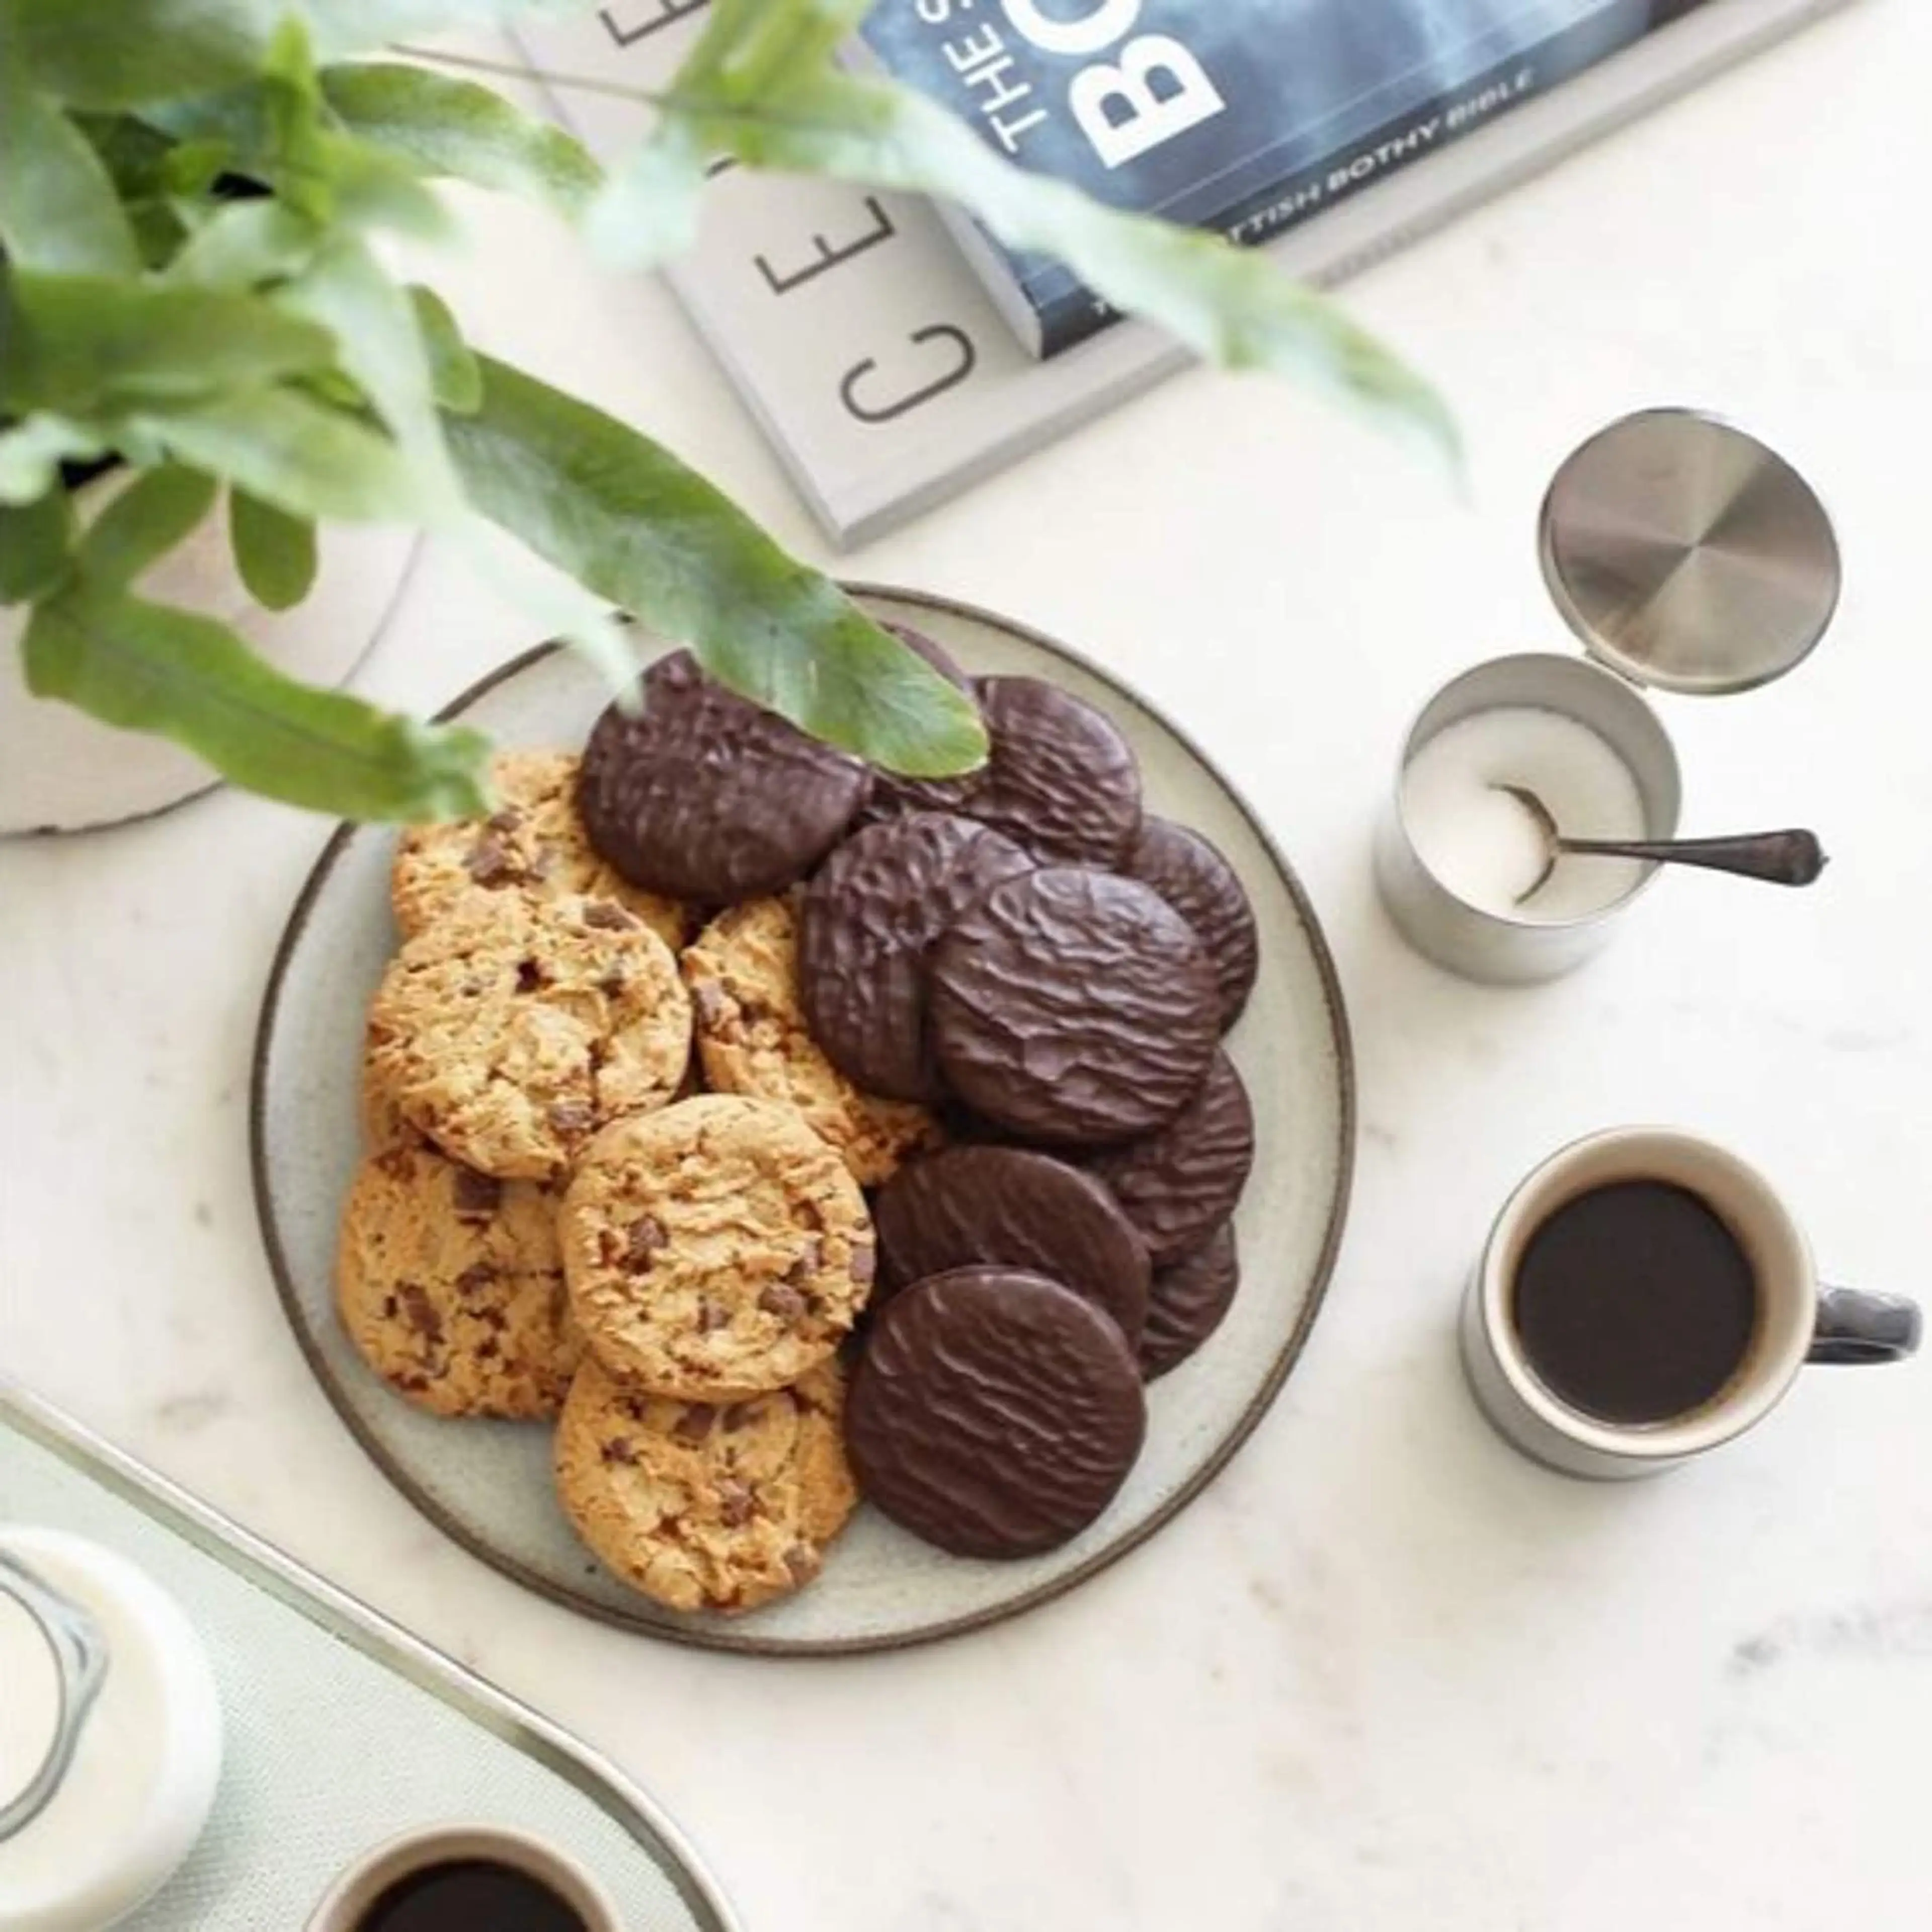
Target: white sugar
point(1484, 846)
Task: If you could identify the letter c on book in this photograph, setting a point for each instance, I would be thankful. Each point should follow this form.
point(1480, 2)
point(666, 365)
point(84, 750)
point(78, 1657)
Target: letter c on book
point(964, 357)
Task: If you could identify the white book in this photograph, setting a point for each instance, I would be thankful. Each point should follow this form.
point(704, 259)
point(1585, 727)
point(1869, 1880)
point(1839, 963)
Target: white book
point(869, 350)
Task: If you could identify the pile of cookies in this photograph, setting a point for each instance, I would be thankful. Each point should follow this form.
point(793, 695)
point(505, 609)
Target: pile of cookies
point(716, 1068)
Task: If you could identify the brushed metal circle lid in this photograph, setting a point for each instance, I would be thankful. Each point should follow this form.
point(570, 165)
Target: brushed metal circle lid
point(1688, 555)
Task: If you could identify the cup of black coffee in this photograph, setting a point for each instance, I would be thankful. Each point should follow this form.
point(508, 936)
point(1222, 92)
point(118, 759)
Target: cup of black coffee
point(461, 1878)
point(1645, 1296)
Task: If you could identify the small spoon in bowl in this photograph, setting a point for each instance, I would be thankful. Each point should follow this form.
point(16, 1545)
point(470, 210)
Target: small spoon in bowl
point(1793, 858)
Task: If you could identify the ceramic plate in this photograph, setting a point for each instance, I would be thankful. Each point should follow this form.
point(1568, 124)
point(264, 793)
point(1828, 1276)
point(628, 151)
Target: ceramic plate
point(487, 1484)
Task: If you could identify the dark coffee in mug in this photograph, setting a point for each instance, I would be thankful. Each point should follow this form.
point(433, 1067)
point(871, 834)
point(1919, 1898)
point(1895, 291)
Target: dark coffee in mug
point(1635, 1303)
point(470, 1895)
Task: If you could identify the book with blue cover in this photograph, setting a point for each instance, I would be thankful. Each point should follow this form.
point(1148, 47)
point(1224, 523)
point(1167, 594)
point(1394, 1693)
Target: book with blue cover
point(1248, 117)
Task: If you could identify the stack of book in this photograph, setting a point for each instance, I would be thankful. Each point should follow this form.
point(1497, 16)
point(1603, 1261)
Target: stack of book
point(894, 352)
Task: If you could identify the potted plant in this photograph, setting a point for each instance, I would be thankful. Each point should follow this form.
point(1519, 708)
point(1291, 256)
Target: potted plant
point(310, 607)
point(214, 385)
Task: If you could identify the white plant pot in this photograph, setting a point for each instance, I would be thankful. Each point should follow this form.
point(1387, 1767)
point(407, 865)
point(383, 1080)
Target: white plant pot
point(62, 771)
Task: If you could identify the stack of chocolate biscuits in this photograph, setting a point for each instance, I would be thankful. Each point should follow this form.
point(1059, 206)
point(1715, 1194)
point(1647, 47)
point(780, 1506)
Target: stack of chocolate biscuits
point(957, 1092)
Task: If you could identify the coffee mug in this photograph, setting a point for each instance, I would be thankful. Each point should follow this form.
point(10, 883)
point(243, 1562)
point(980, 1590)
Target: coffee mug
point(353, 1897)
point(1791, 1320)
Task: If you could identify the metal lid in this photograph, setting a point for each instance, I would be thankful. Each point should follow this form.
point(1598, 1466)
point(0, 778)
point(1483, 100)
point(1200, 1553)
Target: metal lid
point(1685, 554)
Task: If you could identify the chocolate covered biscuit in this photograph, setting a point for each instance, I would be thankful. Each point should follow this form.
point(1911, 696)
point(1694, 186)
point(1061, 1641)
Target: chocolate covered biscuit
point(1073, 1007)
point(1059, 780)
point(702, 795)
point(995, 1414)
point(1189, 1297)
point(1180, 1183)
point(1011, 1207)
point(1190, 874)
point(867, 923)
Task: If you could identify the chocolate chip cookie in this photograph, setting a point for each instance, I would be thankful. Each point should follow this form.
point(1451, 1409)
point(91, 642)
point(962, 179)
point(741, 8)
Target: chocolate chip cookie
point(866, 925)
point(703, 795)
point(994, 1413)
point(742, 971)
point(380, 1119)
point(704, 1507)
point(450, 1285)
point(715, 1250)
point(532, 844)
point(1014, 1208)
point(1073, 1007)
point(509, 1034)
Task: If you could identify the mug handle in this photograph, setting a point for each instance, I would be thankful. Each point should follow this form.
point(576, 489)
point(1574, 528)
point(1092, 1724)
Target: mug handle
point(1855, 1326)
point(79, 1650)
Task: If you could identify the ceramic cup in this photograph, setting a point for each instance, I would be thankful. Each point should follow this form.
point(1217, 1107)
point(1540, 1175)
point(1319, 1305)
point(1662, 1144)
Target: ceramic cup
point(1797, 1320)
point(358, 1889)
point(110, 1733)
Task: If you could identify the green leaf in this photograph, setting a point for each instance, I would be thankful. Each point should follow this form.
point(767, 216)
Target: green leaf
point(456, 380)
point(277, 129)
point(31, 453)
point(1231, 305)
point(147, 668)
point(274, 552)
point(648, 210)
point(374, 190)
point(92, 343)
point(342, 27)
point(332, 387)
point(348, 291)
point(132, 53)
point(751, 44)
point(444, 126)
point(158, 231)
point(320, 169)
point(194, 166)
point(133, 154)
point(58, 211)
point(291, 96)
point(306, 458)
point(628, 520)
point(35, 539)
point(236, 124)
point(243, 245)
point(147, 519)
point(126, 53)
point(773, 42)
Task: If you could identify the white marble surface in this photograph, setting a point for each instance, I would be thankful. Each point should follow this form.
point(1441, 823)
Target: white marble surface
point(1384, 1675)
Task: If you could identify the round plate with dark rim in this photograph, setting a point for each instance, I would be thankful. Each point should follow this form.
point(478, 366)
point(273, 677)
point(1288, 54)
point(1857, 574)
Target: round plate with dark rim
point(487, 1484)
